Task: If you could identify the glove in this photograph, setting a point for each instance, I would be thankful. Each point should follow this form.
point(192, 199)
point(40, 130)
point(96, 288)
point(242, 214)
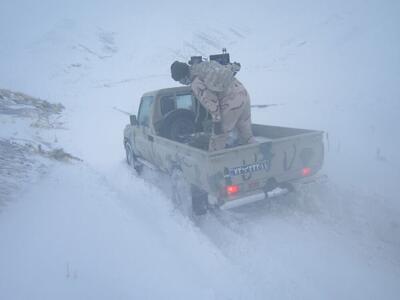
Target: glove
point(217, 128)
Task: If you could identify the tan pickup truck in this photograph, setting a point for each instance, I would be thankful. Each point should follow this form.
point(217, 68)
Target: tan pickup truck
point(171, 133)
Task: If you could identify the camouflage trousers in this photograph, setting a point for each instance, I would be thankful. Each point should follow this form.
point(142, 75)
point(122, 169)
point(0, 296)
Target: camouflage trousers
point(235, 114)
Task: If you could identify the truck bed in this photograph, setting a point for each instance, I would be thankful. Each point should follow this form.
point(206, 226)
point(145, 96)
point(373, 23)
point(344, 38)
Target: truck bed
point(281, 155)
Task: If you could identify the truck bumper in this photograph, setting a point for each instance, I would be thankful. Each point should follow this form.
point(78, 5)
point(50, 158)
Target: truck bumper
point(240, 201)
point(279, 191)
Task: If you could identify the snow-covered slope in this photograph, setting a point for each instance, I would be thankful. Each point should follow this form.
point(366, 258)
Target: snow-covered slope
point(93, 230)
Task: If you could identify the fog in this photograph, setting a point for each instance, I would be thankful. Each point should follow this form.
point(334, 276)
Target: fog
point(93, 229)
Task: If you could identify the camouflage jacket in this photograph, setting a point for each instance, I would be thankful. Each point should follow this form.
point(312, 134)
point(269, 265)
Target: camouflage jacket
point(216, 77)
point(210, 81)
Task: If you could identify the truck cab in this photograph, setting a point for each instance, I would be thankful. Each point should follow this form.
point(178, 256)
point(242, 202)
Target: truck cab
point(172, 113)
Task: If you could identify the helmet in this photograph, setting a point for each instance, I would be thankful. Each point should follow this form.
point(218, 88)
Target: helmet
point(179, 70)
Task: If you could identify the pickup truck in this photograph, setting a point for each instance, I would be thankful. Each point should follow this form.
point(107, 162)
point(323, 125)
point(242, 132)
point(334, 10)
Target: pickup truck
point(171, 133)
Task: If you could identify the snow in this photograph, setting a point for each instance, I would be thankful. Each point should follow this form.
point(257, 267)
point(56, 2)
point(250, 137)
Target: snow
point(94, 230)
point(91, 243)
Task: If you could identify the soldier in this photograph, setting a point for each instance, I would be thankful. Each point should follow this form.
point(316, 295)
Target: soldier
point(226, 99)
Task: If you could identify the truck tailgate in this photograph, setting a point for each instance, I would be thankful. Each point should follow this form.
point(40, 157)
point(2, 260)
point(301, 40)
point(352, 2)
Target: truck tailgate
point(280, 155)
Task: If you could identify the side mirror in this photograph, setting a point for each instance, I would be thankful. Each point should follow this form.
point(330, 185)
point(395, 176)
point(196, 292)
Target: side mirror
point(134, 121)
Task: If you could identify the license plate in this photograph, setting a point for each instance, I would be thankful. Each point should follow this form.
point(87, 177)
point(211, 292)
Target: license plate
point(245, 169)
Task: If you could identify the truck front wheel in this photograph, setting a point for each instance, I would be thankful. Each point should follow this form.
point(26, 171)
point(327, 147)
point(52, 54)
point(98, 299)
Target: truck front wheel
point(131, 159)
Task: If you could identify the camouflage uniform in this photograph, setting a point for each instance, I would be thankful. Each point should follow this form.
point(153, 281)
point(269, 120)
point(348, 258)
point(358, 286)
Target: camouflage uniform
point(225, 98)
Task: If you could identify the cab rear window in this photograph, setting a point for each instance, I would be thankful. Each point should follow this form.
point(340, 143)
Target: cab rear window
point(167, 104)
point(171, 102)
point(184, 102)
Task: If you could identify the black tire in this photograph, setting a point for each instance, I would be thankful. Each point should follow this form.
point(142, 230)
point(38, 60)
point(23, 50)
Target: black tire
point(199, 201)
point(189, 199)
point(129, 154)
point(180, 192)
point(131, 159)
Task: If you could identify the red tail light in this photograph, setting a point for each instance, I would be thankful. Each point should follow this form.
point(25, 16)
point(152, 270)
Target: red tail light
point(306, 171)
point(232, 189)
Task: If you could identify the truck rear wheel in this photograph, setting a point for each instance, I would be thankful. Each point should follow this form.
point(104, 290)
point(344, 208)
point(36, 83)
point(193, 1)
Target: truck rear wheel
point(188, 198)
point(199, 201)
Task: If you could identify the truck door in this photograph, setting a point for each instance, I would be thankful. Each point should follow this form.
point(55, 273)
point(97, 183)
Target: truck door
point(143, 135)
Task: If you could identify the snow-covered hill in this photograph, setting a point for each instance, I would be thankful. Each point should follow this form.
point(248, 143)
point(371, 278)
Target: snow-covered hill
point(92, 229)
